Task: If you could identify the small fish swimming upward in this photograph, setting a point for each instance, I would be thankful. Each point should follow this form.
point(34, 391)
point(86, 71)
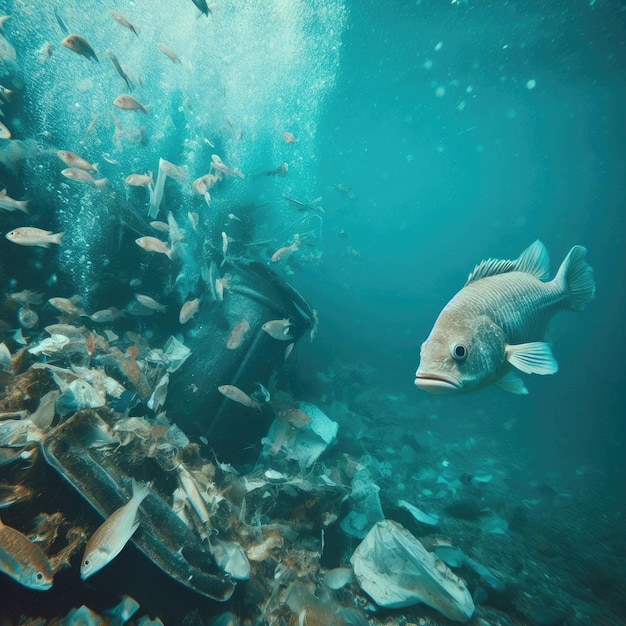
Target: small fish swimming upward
point(111, 537)
point(497, 322)
point(23, 561)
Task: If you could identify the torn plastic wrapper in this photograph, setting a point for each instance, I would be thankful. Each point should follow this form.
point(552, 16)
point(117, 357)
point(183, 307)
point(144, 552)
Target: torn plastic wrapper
point(365, 505)
point(395, 569)
point(307, 443)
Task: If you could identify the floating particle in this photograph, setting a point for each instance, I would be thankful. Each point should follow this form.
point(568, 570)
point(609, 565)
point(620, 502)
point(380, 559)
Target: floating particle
point(428, 64)
point(440, 91)
point(439, 46)
point(469, 89)
point(531, 84)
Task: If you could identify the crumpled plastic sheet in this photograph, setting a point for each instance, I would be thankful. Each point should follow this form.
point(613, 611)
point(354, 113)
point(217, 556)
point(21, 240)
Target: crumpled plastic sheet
point(395, 569)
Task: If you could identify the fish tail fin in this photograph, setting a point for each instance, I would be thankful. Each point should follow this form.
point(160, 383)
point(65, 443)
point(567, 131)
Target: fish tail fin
point(101, 182)
point(575, 277)
point(22, 205)
point(95, 167)
point(56, 238)
point(140, 490)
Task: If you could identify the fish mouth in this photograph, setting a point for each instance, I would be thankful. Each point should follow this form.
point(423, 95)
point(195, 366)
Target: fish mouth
point(437, 383)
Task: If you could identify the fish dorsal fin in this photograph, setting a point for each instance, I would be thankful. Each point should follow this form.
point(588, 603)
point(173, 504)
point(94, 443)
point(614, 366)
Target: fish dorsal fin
point(534, 261)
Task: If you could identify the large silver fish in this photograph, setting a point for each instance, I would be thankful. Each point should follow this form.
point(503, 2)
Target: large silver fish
point(497, 322)
point(111, 537)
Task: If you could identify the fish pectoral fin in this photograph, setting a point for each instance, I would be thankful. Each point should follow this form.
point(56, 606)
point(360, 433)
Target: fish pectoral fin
point(512, 383)
point(532, 358)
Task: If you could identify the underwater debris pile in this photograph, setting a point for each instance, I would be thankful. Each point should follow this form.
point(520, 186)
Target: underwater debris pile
point(204, 523)
point(279, 539)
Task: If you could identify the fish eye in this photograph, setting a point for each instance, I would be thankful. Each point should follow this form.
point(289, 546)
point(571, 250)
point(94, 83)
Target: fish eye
point(38, 575)
point(86, 562)
point(459, 352)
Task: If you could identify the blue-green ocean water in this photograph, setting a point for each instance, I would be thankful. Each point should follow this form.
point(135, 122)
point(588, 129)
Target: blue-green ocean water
point(433, 134)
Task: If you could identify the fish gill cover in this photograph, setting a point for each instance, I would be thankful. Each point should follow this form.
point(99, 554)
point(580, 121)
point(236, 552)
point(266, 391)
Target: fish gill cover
point(249, 85)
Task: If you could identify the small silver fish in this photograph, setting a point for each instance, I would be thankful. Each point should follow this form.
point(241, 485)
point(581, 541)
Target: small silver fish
point(104, 316)
point(278, 329)
point(73, 160)
point(150, 303)
point(152, 244)
point(168, 52)
point(128, 103)
point(82, 176)
point(498, 320)
point(190, 487)
point(23, 561)
point(120, 19)
point(111, 537)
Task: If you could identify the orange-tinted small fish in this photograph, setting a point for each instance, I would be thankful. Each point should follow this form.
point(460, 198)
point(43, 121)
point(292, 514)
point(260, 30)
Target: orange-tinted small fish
point(152, 244)
point(90, 344)
point(188, 310)
point(30, 236)
point(23, 560)
point(130, 366)
point(236, 395)
point(294, 416)
point(285, 251)
point(73, 160)
point(139, 180)
point(82, 176)
point(237, 335)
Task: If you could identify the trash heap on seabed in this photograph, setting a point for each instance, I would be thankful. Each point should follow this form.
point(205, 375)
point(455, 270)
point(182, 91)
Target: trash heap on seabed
point(201, 521)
